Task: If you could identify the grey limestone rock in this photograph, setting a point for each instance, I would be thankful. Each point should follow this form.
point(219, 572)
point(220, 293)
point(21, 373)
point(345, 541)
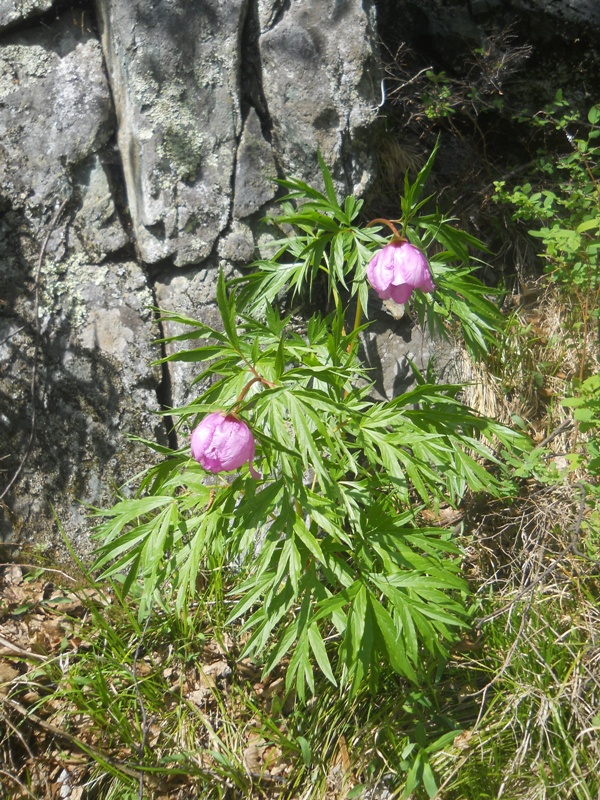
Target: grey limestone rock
point(174, 71)
point(238, 244)
point(190, 292)
point(15, 11)
point(254, 170)
point(94, 387)
point(97, 225)
point(320, 79)
point(392, 345)
point(585, 13)
point(55, 111)
point(75, 330)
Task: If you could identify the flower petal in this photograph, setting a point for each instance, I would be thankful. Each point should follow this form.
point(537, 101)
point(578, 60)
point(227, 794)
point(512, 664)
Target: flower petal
point(221, 443)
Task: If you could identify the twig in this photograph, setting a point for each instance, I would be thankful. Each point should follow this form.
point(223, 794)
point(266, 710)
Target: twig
point(398, 89)
point(10, 335)
point(19, 650)
point(42, 569)
point(565, 425)
point(21, 785)
point(35, 765)
point(36, 348)
point(73, 740)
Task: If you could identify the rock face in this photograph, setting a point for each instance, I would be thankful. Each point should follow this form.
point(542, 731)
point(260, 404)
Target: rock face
point(584, 13)
point(14, 11)
point(138, 147)
point(319, 84)
point(449, 30)
point(200, 89)
point(174, 68)
point(75, 331)
point(59, 70)
point(138, 143)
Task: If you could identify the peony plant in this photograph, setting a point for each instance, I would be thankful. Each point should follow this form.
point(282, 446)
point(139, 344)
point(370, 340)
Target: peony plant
point(328, 564)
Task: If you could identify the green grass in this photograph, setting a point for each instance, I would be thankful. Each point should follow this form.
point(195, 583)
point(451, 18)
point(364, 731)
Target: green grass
point(166, 709)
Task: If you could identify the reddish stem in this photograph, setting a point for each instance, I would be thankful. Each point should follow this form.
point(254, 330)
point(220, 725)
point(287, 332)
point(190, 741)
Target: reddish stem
point(390, 224)
point(244, 391)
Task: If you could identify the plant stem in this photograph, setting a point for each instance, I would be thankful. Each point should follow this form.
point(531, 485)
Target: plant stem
point(380, 220)
point(358, 314)
point(256, 379)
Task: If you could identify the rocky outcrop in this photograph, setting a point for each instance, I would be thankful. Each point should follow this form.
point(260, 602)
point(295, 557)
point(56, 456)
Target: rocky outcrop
point(582, 13)
point(449, 31)
point(319, 84)
point(139, 140)
point(138, 147)
point(13, 12)
point(55, 111)
point(174, 69)
point(200, 90)
point(75, 331)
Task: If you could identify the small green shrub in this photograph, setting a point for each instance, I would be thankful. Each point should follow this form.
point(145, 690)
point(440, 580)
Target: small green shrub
point(562, 200)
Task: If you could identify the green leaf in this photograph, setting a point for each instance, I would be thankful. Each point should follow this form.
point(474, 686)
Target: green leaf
point(393, 642)
point(307, 538)
point(305, 750)
point(428, 778)
point(588, 225)
point(329, 188)
point(227, 310)
point(318, 648)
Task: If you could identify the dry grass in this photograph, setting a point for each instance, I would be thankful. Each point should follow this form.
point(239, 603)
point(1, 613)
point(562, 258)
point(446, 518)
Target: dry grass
point(533, 669)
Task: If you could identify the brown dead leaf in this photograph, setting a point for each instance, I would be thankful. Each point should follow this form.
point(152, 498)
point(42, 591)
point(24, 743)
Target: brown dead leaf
point(142, 669)
point(252, 758)
point(15, 595)
point(462, 741)
point(7, 673)
point(47, 636)
point(199, 696)
point(12, 575)
point(254, 753)
point(248, 669)
point(16, 633)
point(344, 757)
point(218, 670)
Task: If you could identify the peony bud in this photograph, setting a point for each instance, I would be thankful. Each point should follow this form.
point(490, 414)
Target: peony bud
point(222, 442)
point(397, 269)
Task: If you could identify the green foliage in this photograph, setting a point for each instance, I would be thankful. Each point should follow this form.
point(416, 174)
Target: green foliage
point(562, 198)
point(330, 570)
point(440, 101)
point(586, 405)
point(327, 240)
point(587, 414)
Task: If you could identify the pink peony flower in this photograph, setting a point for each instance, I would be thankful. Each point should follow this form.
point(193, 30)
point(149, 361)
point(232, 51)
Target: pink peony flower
point(222, 442)
point(397, 269)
